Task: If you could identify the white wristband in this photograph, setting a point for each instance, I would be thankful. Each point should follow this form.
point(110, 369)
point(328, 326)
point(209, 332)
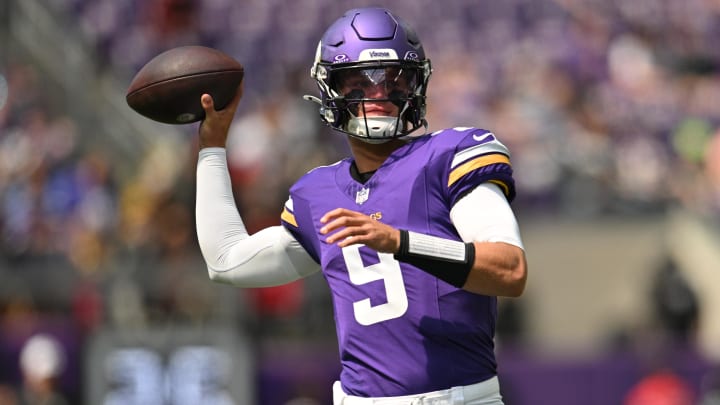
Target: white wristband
point(433, 246)
point(448, 260)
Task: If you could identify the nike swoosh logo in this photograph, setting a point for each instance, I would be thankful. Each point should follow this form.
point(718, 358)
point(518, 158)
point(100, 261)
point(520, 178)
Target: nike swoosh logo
point(484, 137)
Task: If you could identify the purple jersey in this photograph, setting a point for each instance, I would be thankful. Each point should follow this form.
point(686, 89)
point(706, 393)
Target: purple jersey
point(400, 330)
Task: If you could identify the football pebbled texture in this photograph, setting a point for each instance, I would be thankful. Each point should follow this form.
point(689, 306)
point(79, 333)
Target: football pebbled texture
point(167, 89)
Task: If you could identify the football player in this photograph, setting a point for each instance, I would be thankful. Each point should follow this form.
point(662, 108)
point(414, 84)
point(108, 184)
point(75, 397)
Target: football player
point(413, 233)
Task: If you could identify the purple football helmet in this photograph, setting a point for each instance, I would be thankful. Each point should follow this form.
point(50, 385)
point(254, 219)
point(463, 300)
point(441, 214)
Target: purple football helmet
point(368, 58)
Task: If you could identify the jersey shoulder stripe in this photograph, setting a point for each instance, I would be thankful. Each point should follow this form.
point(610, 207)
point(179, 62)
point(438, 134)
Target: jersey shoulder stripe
point(296, 219)
point(476, 163)
point(287, 214)
point(474, 156)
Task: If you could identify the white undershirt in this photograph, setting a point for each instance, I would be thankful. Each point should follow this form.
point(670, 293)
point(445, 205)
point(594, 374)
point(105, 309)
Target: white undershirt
point(272, 256)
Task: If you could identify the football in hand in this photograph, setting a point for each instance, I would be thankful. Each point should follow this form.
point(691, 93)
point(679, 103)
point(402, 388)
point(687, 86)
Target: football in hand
point(168, 88)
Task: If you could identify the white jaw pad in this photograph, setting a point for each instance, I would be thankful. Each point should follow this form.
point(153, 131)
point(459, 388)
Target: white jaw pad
point(379, 127)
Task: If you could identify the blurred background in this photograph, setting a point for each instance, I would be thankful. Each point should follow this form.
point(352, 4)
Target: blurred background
point(611, 110)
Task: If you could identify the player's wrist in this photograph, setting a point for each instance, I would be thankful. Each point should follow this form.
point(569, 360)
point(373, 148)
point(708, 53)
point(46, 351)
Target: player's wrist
point(446, 259)
point(209, 138)
point(397, 241)
point(211, 144)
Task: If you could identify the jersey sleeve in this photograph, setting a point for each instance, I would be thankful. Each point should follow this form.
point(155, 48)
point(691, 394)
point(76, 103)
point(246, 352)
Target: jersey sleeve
point(478, 157)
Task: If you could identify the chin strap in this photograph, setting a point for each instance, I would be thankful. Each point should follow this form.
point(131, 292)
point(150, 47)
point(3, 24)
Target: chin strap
point(326, 113)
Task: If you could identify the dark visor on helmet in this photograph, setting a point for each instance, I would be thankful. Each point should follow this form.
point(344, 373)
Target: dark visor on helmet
point(374, 82)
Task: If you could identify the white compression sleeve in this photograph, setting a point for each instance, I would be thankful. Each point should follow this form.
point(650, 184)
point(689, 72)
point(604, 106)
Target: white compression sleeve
point(484, 215)
point(267, 258)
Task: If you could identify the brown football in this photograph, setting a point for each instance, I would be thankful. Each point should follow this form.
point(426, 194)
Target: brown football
point(168, 88)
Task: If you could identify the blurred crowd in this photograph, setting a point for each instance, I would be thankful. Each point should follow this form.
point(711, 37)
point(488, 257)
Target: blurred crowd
point(609, 108)
point(605, 104)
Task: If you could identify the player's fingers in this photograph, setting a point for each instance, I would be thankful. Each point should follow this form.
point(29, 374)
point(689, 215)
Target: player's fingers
point(214, 127)
point(208, 104)
point(361, 235)
point(357, 228)
point(330, 215)
point(352, 234)
point(340, 235)
point(350, 240)
point(334, 224)
point(338, 212)
point(342, 221)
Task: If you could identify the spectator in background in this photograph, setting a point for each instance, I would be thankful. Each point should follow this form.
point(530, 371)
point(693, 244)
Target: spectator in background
point(675, 304)
point(42, 361)
point(663, 387)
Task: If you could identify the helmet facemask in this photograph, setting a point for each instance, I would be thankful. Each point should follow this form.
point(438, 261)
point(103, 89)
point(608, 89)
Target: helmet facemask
point(374, 101)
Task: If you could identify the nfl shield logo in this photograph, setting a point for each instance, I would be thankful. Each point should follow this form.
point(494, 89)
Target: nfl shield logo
point(362, 195)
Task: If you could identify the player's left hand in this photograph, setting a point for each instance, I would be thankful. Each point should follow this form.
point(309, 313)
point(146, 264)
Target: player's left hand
point(353, 227)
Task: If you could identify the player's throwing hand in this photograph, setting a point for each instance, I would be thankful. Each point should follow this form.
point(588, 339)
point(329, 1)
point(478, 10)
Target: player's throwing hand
point(214, 128)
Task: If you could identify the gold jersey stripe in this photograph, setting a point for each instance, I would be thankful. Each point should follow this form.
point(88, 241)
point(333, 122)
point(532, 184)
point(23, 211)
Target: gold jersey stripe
point(476, 163)
point(503, 186)
point(288, 217)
